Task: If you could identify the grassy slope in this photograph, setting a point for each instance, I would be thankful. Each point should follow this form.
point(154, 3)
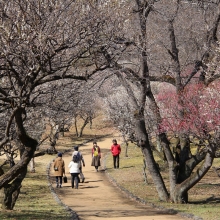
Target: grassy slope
point(37, 202)
point(204, 197)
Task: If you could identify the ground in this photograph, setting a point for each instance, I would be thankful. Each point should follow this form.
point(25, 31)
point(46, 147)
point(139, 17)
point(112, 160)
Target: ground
point(98, 198)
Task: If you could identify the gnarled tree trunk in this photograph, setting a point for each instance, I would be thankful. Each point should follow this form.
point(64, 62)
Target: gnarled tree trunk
point(151, 163)
point(12, 191)
point(18, 171)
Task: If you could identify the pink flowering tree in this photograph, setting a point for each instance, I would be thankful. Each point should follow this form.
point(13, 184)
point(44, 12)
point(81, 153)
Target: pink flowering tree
point(199, 106)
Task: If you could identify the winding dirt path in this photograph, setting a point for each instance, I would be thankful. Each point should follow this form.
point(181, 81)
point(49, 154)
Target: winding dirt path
point(97, 198)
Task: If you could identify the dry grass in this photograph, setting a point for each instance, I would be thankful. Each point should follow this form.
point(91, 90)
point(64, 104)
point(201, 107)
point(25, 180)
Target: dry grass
point(204, 198)
point(35, 200)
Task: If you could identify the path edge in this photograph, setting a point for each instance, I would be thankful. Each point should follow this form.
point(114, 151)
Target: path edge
point(142, 201)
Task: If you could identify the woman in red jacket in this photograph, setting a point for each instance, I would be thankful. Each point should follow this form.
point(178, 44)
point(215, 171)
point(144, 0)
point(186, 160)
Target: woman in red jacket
point(116, 150)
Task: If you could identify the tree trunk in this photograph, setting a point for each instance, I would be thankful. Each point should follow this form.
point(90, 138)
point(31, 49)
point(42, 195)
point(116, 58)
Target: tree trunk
point(12, 192)
point(180, 194)
point(86, 121)
point(144, 171)
point(184, 171)
point(52, 148)
point(61, 130)
point(53, 141)
point(126, 144)
point(32, 165)
point(126, 149)
point(19, 170)
point(76, 129)
point(149, 158)
point(158, 144)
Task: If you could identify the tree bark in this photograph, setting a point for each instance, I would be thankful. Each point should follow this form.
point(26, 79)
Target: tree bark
point(151, 164)
point(180, 194)
point(12, 191)
point(76, 129)
point(86, 121)
point(19, 170)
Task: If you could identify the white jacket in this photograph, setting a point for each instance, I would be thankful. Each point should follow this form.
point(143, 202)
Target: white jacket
point(74, 167)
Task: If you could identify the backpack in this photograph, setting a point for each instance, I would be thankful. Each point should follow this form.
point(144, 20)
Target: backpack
point(76, 158)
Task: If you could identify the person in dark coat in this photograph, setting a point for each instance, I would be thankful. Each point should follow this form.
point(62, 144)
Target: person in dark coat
point(115, 150)
point(96, 156)
point(59, 169)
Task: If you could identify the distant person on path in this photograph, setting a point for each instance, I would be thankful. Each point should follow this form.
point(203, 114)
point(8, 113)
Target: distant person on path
point(96, 156)
point(74, 166)
point(59, 169)
point(81, 160)
point(116, 150)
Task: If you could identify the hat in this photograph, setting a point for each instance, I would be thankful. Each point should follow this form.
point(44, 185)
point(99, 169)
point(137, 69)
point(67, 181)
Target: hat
point(59, 155)
point(76, 148)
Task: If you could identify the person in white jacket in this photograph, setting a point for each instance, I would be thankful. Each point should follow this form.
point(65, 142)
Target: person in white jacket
point(74, 171)
point(82, 162)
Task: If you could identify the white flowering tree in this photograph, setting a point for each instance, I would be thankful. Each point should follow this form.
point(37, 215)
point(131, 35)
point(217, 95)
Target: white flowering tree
point(42, 41)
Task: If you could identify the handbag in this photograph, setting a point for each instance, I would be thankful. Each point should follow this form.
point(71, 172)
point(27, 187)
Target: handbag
point(65, 179)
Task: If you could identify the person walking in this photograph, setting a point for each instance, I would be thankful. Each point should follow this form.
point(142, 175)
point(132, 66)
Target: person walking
point(116, 150)
point(74, 171)
point(96, 156)
point(59, 169)
point(81, 162)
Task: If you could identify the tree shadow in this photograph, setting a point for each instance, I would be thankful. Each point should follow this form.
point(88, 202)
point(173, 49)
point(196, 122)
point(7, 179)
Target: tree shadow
point(210, 200)
point(91, 138)
point(127, 167)
point(88, 187)
point(102, 170)
point(118, 168)
point(93, 181)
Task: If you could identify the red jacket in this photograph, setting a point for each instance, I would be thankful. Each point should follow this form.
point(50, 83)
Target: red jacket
point(115, 149)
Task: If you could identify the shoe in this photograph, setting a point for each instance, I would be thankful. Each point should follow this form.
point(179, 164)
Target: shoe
point(57, 186)
point(97, 170)
point(76, 187)
point(83, 180)
point(60, 186)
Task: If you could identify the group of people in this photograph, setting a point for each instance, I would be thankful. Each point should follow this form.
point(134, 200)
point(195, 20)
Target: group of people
point(75, 165)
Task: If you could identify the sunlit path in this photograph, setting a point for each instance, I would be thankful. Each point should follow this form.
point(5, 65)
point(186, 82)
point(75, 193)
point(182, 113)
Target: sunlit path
point(97, 198)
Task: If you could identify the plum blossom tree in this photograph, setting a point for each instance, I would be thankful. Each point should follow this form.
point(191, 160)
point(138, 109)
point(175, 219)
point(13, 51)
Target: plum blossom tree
point(42, 42)
point(164, 40)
